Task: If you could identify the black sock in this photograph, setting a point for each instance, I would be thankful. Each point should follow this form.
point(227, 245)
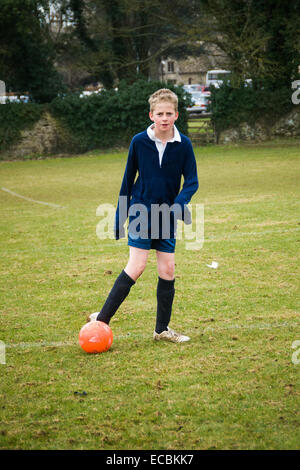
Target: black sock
point(165, 296)
point(117, 295)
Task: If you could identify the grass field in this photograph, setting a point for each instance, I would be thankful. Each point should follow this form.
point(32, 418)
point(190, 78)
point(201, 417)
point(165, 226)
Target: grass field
point(235, 385)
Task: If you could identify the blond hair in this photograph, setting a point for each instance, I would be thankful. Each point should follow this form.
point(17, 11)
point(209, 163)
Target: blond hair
point(164, 94)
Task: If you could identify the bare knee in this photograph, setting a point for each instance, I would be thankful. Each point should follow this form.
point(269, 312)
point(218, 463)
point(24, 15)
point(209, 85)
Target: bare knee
point(167, 270)
point(139, 268)
point(136, 266)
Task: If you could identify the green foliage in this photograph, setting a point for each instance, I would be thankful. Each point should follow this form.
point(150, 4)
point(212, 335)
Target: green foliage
point(27, 53)
point(107, 119)
point(15, 117)
point(122, 39)
point(261, 40)
point(111, 118)
point(246, 103)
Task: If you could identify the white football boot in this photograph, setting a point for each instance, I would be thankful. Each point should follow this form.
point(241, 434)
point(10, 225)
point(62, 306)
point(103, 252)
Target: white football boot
point(170, 335)
point(93, 316)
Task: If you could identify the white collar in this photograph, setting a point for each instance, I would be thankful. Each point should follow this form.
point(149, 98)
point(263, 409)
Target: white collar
point(152, 136)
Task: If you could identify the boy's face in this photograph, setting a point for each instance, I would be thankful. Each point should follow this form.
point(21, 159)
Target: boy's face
point(164, 117)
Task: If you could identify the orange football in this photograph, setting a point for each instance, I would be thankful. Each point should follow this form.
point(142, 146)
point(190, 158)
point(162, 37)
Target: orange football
point(95, 337)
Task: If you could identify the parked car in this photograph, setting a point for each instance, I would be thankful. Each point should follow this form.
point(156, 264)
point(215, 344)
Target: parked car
point(89, 93)
point(10, 98)
point(195, 87)
point(205, 90)
point(91, 90)
point(200, 102)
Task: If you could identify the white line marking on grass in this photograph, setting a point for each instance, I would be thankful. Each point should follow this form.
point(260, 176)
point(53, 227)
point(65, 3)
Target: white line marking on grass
point(239, 201)
point(41, 344)
point(248, 234)
point(51, 204)
point(257, 326)
point(57, 344)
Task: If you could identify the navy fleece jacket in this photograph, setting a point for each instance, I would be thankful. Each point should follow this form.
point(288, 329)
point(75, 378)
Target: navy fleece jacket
point(157, 184)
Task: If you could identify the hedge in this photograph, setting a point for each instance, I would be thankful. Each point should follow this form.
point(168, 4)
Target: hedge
point(232, 105)
point(111, 118)
point(15, 117)
point(102, 120)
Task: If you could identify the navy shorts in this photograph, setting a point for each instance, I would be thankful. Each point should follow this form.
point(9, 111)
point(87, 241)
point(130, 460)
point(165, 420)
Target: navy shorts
point(166, 245)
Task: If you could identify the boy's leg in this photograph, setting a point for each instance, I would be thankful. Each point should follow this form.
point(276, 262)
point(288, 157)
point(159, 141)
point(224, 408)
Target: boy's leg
point(165, 289)
point(121, 288)
point(137, 262)
point(165, 296)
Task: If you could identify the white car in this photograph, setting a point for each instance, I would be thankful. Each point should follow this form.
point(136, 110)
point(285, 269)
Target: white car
point(89, 93)
point(14, 99)
point(200, 102)
point(192, 88)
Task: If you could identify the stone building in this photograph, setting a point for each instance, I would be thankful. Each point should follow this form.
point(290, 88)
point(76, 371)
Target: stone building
point(191, 70)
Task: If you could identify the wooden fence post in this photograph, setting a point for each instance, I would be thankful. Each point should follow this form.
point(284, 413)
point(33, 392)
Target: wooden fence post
point(201, 130)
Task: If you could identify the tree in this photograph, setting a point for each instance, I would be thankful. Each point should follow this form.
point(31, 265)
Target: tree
point(126, 39)
point(260, 38)
point(262, 42)
point(26, 52)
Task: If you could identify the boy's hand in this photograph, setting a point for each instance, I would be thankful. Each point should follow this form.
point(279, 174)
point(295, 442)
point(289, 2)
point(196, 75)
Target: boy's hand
point(187, 217)
point(184, 214)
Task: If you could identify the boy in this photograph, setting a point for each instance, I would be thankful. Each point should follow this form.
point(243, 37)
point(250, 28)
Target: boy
point(160, 155)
